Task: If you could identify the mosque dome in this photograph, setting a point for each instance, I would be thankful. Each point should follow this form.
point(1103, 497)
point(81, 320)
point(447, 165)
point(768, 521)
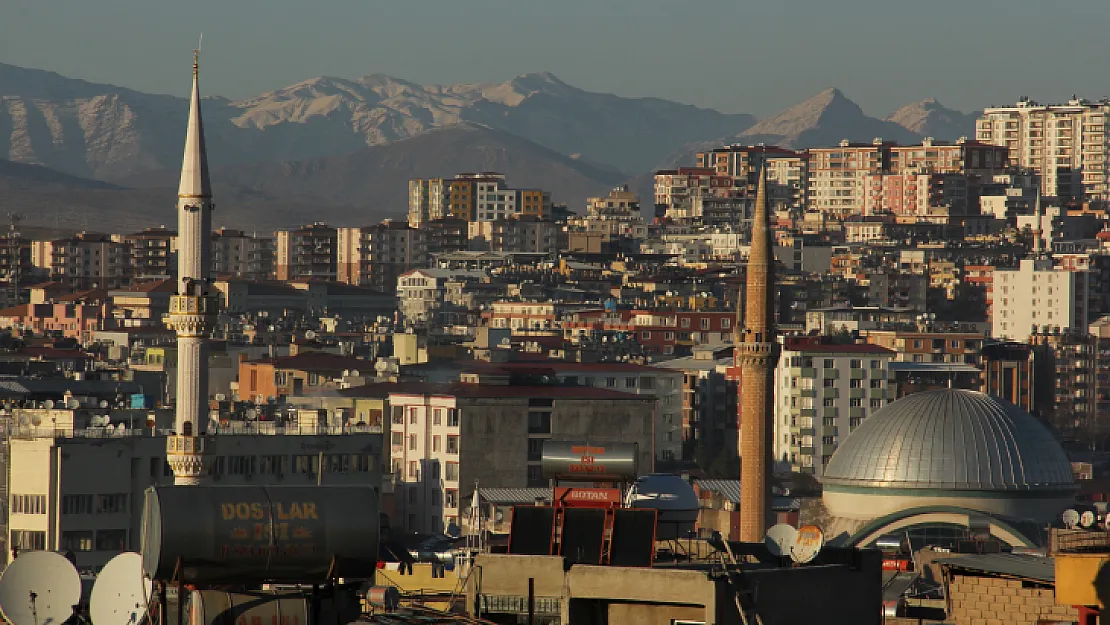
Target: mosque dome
point(951, 440)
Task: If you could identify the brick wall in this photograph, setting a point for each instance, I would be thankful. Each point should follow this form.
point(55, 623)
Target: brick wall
point(997, 601)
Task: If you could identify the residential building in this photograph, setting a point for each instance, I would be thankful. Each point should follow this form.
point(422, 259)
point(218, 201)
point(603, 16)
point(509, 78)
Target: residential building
point(240, 255)
point(918, 195)
point(474, 197)
point(710, 431)
point(428, 200)
point(1009, 373)
point(1065, 144)
point(296, 375)
point(1036, 295)
point(375, 256)
point(948, 344)
point(84, 261)
point(824, 392)
point(445, 438)
point(524, 234)
point(420, 292)
point(836, 175)
point(306, 253)
point(787, 172)
point(153, 253)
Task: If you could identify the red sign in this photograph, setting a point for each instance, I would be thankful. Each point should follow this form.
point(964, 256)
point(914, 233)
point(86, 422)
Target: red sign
point(587, 497)
point(896, 565)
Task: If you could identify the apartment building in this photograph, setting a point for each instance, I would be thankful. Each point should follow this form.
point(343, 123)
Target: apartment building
point(421, 292)
point(445, 438)
point(1065, 144)
point(677, 189)
point(1036, 295)
point(528, 235)
point(428, 200)
point(973, 158)
point(375, 256)
point(85, 261)
point(825, 391)
point(1009, 373)
point(153, 253)
point(78, 488)
point(238, 254)
point(918, 196)
point(947, 345)
point(836, 175)
point(787, 172)
point(306, 253)
point(483, 196)
point(666, 333)
point(709, 394)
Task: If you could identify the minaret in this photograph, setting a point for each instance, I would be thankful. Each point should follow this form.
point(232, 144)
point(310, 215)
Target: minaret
point(756, 352)
point(193, 309)
point(1038, 234)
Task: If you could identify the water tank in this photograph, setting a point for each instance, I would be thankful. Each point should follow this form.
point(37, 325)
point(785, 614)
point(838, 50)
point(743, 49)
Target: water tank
point(674, 500)
point(216, 607)
point(254, 534)
point(588, 461)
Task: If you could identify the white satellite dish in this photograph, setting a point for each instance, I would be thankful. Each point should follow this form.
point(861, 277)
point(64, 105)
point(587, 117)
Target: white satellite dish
point(1087, 519)
point(807, 544)
point(36, 420)
point(24, 420)
point(73, 404)
point(1070, 518)
point(354, 373)
point(48, 404)
point(119, 596)
point(39, 588)
point(780, 538)
point(310, 334)
point(104, 403)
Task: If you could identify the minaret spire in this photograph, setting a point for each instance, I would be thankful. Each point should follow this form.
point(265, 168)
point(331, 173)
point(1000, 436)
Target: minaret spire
point(193, 309)
point(755, 355)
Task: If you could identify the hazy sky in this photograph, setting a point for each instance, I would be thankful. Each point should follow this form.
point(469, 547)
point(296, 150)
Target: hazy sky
point(733, 55)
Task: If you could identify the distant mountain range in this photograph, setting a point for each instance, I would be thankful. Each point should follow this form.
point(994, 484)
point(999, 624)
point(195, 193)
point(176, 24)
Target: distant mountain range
point(342, 150)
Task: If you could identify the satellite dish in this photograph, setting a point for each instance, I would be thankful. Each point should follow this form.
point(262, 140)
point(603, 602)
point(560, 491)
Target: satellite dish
point(48, 404)
point(39, 587)
point(807, 544)
point(104, 403)
point(499, 516)
point(24, 420)
point(73, 404)
point(120, 592)
point(310, 334)
point(1087, 519)
point(1070, 518)
point(36, 420)
point(779, 539)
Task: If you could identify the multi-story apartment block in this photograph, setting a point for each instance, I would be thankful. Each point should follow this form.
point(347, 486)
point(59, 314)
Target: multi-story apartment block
point(1037, 295)
point(974, 158)
point(474, 197)
point(87, 260)
point(153, 253)
point(666, 333)
point(306, 253)
point(920, 196)
point(786, 172)
point(676, 190)
point(428, 200)
point(421, 292)
point(527, 235)
point(236, 253)
point(1009, 373)
point(836, 175)
point(1066, 144)
point(445, 236)
point(1009, 194)
point(376, 255)
point(824, 391)
point(949, 344)
point(1072, 359)
point(444, 438)
point(709, 425)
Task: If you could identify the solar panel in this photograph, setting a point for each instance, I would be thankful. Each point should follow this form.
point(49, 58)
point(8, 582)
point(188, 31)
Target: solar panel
point(531, 530)
point(583, 536)
point(633, 541)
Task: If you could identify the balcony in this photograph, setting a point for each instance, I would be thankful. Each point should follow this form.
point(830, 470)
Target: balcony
point(830, 393)
point(859, 374)
point(857, 393)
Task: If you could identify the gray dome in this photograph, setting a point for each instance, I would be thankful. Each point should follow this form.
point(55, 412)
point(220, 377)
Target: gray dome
point(951, 440)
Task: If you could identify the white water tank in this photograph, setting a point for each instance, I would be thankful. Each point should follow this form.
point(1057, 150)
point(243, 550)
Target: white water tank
point(674, 500)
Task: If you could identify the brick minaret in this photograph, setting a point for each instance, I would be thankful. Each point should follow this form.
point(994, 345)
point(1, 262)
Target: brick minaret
point(755, 355)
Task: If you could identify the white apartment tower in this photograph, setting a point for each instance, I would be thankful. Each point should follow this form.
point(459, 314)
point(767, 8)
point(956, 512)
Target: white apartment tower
point(193, 308)
point(1067, 144)
point(1037, 297)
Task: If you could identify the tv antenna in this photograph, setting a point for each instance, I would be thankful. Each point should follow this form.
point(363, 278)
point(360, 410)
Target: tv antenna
point(119, 596)
point(39, 588)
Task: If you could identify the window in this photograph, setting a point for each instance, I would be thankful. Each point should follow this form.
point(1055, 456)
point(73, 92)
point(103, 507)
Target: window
point(876, 403)
point(363, 463)
point(539, 422)
point(272, 464)
point(855, 383)
point(452, 444)
point(414, 470)
point(412, 442)
point(855, 402)
point(855, 422)
point(828, 363)
point(856, 364)
point(412, 416)
point(828, 440)
point(645, 335)
point(452, 471)
point(337, 463)
point(436, 443)
point(829, 402)
point(611, 382)
point(829, 383)
point(647, 383)
point(112, 504)
point(704, 324)
point(828, 422)
point(535, 476)
point(398, 415)
point(304, 464)
point(453, 417)
point(437, 416)
point(451, 498)
point(876, 383)
point(28, 504)
point(28, 540)
point(397, 438)
point(535, 449)
point(726, 323)
point(111, 540)
point(669, 336)
point(685, 322)
point(240, 465)
point(77, 504)
point(876, 364)
point(77, 541)
point(630, 383)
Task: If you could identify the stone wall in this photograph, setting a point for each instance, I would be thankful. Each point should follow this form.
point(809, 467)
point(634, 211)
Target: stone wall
point(997, 601)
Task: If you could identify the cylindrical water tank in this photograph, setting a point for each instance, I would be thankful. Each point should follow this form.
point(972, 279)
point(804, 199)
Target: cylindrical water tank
point(674, 500)
point(289, 534)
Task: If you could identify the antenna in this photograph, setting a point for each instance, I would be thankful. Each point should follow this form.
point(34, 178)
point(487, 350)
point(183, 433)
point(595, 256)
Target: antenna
point(39, 587)
point(119, 596)
point(779, 539)
point(807, 544)
point(1070, 518)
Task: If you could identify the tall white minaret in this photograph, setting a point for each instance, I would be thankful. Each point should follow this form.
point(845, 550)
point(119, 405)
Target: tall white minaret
point(193, 309)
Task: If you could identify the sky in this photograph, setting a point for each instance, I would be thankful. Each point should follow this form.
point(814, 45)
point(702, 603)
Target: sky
point(731, 55)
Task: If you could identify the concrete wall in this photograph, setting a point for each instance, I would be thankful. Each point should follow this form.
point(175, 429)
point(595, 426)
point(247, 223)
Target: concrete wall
point(977, 600)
